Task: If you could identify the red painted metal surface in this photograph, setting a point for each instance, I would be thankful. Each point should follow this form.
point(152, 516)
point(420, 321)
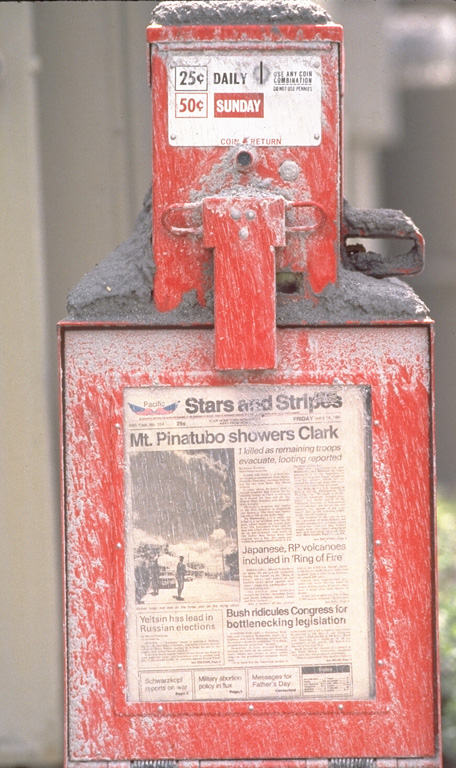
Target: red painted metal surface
point(244, 235)
point(226, 218)
point(401, 721)
point(183, 176)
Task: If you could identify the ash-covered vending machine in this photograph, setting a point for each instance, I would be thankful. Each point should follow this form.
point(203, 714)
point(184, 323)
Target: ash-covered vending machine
point(247, 432)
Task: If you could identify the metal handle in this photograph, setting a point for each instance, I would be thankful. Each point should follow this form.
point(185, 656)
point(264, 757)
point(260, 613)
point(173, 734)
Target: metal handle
point(307, 204)
point(184, 207)
point(181, 207)
point(382, 223)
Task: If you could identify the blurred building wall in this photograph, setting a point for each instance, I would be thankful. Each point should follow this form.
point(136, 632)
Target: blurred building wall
point(419, 174)
point(74, 167)
point(30, 659)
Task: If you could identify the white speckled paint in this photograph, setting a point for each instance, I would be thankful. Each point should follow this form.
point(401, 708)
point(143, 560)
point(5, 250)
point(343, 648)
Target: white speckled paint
point(394, 360)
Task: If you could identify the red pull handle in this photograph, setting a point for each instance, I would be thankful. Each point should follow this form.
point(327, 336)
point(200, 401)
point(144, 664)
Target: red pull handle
point(244, 233)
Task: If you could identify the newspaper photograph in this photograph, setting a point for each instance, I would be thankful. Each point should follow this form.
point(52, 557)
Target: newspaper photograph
point(248, 543)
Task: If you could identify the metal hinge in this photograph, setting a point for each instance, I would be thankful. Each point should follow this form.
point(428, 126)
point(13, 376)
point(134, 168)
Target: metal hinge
point(352, 762)
point(154, 763)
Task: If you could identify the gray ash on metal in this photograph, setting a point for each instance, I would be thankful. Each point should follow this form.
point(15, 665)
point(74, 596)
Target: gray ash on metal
point(119, 289)
point(220, 12)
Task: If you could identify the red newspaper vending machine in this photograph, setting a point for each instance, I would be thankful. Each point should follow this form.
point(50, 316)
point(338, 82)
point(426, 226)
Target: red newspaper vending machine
point(248, 480)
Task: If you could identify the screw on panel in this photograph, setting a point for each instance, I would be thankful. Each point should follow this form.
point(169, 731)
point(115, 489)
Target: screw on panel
point(250, 707)
point(289, 170)
point(243, 233)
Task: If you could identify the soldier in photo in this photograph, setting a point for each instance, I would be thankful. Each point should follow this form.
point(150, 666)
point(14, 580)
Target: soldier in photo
point(180, 577)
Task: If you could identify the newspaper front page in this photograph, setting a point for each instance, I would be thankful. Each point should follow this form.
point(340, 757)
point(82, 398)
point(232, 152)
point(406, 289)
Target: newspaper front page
point(248, 543)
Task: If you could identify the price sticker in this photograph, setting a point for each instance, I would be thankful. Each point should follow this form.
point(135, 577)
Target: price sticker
point(191, 78)
point(191, 105)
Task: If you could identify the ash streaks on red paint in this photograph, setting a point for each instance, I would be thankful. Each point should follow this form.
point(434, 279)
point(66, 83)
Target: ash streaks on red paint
point(393, 361)
point(183, 175)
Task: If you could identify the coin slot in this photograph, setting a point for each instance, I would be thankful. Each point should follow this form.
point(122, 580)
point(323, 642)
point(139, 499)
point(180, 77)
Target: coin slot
point(244, 160)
